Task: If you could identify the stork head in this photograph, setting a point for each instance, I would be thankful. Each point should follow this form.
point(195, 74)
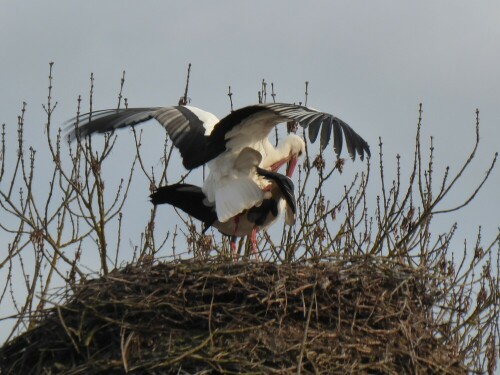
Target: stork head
point(289, 151)
point(296, 148)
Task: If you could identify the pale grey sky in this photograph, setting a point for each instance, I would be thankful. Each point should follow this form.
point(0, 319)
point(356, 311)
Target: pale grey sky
point(368, 62)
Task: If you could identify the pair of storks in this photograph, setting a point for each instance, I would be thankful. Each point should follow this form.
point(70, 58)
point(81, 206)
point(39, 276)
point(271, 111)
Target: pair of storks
point(243, 192)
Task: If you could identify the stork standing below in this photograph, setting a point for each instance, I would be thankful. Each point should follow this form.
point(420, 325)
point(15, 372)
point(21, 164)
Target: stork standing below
point(202, 139)
point(279, 197)
point(228, 146)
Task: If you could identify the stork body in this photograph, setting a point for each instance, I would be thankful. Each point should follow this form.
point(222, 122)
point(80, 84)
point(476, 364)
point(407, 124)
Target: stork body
point(278, 197)
point(232, 185)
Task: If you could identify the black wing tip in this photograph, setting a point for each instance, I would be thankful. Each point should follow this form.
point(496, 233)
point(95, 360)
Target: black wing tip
point(324, 124)
point(75, 132)
point(154, 198)
point(362, 148)
point(105, 121)
point(160, 194)
point(355, 144)
point(366, 149)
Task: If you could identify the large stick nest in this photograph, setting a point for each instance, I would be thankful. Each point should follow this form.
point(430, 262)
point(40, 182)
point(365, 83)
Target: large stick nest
point(345, 316)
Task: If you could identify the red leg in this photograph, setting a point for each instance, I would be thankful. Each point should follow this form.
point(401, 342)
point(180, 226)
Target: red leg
point(253, 241)
point(233, 248)
point(233, 238)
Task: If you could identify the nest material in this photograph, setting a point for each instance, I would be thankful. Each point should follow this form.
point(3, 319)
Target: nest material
point(347, 316)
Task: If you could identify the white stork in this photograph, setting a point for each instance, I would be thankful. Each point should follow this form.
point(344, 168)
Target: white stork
point(279, 197)
point(233, 146)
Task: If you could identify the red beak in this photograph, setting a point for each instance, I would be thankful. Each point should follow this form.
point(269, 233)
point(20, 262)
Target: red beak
point(277, 165)
point(291, 167)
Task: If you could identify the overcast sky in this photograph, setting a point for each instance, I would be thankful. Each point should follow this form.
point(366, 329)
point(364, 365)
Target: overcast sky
point(368, 62)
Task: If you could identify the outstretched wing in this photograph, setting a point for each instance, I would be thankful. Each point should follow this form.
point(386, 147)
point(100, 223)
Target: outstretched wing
point(248, 125)
point(188, 127)
point(200, 137)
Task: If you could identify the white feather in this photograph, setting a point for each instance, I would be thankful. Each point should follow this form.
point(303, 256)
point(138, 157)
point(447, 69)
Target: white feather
point(209, 119)
point(250, 131)
point(232, 185)
point(247, 160)
point(236, 196)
